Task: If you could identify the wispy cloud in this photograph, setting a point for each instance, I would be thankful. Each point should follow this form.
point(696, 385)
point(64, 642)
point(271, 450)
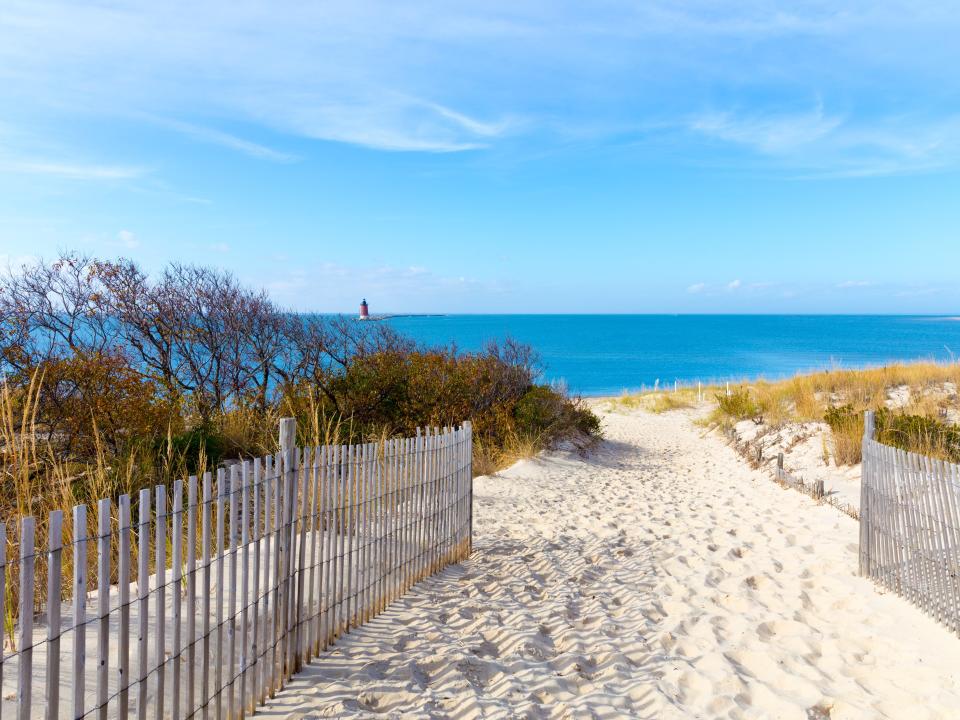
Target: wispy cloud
point(734, 285)
point(457, 76)
point(847, 284)
point(696, 288)
point(775, 134)
point(218, 137)
point(820, 144)
point(69, 171)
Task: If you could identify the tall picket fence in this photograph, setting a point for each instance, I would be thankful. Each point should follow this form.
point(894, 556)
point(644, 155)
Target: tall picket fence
point(910, 526)
point(205, 601)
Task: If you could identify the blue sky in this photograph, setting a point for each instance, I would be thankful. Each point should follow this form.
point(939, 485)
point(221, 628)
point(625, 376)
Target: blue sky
point(706, 156)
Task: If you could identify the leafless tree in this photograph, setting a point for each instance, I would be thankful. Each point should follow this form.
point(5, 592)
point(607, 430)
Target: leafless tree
point(53, 309)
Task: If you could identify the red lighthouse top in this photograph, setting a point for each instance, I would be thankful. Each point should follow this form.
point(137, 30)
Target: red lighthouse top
point(364, 310)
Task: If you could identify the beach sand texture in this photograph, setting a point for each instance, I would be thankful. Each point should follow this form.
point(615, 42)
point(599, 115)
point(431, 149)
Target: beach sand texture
point(658, 578)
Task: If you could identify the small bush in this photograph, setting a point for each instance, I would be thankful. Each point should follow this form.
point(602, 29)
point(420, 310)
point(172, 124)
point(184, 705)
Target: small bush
point(920, 434)
point(199, 448)
point(738, 405)
point(544, 412)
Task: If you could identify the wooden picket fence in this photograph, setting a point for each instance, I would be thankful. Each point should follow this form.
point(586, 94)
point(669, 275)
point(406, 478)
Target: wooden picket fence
point(239, 581)
point(910, 526)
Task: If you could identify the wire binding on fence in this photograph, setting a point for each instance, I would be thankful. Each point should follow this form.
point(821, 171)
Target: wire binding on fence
point(249, 577)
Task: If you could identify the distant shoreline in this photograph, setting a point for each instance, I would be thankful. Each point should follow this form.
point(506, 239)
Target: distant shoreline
point(377, 318)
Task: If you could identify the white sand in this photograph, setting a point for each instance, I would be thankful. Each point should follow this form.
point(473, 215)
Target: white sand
point(802, 445)
point(660, 578)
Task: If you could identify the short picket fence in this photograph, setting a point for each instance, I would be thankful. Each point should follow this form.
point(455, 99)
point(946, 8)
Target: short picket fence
point(203, 599)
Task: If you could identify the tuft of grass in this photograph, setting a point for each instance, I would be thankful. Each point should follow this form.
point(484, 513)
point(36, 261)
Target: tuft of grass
point(661, 401)
point(519, 446)
point(846, 429)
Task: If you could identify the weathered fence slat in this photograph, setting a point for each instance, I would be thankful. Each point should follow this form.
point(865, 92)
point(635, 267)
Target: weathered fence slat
point(176, 570)
point(123, 601)
point(291, 552)
point(244, 584)
point(205, 531)
point(54, 571)
point(191, 593)
point(27, 564)
point(103, 605)
point(218, 612)
point(234, 489)
point(79, 606)
point(143, 596)
point(160, 548)
point(255, 645)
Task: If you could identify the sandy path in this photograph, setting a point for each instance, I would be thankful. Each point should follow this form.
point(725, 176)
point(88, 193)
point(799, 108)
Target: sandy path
point(658, 578)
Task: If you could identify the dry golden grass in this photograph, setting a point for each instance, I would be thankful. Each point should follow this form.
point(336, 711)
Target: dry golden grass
point(488, 460)
point(662, 401)
point(806, 398)
point(847, 441)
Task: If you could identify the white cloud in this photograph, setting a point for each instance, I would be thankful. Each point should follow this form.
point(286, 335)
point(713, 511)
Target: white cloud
point(128, 239)
point(696, 288)
point(220, 247)
point(734, 285)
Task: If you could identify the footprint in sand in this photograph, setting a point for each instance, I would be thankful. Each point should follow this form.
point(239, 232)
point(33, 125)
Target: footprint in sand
point(487, 648)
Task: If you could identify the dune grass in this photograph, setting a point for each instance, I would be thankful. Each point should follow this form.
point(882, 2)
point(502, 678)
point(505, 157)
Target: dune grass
point(662, 400)
point(914, 401)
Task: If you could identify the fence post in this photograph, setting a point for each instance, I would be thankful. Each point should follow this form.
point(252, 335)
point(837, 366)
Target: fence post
point(25, 618)
point(79, 606)
point(54, 570)
point(288, 434)
point(468, 427)
point(869, 424)
point(286, 485)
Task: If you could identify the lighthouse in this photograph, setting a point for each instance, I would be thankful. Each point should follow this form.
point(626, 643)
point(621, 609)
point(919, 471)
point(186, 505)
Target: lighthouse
point(364, 310)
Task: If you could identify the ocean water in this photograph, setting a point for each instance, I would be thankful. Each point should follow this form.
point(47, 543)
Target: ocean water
point(607, 354)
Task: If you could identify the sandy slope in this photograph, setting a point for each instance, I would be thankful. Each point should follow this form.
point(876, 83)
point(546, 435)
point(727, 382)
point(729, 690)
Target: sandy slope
point(659, 578)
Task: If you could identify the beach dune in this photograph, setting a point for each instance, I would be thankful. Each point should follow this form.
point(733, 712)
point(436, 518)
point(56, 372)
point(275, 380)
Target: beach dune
point(659, 577)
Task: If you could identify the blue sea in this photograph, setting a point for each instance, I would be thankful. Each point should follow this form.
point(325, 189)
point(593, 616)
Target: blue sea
point(607, 354)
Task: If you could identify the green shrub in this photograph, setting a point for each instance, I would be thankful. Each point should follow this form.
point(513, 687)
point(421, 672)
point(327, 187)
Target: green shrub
point(544, 412)
point(196, 445)
point(739, 404)
point(918, 433)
